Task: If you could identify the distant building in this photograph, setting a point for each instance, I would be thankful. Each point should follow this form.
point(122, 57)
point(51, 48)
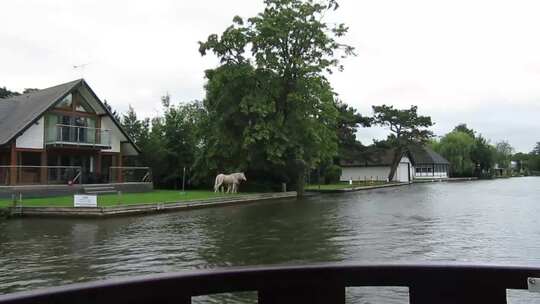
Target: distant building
point(415, 163)
point(375, 165)
point(428, 164)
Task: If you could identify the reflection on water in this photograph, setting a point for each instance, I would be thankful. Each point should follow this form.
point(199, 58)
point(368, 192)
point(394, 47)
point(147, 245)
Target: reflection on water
point(485, 221)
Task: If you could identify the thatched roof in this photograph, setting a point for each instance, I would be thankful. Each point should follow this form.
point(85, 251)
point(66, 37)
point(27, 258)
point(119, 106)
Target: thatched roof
point(379, 157)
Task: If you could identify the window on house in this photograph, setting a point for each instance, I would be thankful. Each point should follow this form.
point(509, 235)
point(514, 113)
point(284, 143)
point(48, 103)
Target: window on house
point(82, 105)
point(66, 103)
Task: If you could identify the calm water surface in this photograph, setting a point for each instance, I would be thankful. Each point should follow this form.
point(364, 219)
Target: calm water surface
point(485, 221)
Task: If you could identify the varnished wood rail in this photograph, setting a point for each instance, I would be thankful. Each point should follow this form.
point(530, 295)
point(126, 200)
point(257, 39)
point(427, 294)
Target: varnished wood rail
point(427, 283)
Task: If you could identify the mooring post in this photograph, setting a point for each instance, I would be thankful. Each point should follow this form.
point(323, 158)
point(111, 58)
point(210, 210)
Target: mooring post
point(119, 198)
point(184, 181)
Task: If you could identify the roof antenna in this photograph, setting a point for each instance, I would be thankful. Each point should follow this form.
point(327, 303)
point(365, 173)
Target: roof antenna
point(81, 67)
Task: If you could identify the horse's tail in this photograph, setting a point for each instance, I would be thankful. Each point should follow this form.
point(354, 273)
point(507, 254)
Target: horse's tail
point(217, 183)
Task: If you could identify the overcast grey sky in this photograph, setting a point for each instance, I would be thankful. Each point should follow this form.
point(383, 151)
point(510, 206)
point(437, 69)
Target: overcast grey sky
point(470, 61)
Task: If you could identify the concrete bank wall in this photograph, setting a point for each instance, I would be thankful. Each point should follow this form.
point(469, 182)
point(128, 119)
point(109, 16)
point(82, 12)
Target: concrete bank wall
point(452, 179)
point(353, 189)
point(157, 207)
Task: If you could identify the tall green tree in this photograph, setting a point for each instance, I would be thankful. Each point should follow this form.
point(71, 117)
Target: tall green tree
point(406, 127)
point(273, 75)
point(170, 142)
point(180, 124)
point(154, 153)
point(536, 150)
point(457, 147)
point(134, 127)
point(504, 154)
point(114, 113)
point(463, 128)
point(349, 120)
point(483, 156)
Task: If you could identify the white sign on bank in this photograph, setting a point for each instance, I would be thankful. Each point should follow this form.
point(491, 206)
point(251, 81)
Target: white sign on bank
point(85, 201)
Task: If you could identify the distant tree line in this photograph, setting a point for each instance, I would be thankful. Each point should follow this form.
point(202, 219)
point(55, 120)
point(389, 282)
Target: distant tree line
point(5, 93)
point(529, 162)
point(472, 155)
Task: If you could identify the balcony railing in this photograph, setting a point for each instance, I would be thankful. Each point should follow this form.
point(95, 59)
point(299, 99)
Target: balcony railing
point(130, 174)
point(40, 175)
point(64, 175)
point(428, 284)
point(76, 135)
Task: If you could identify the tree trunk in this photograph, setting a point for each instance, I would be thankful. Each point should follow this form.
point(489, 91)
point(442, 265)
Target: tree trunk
point(300, 177)
point(395, 163)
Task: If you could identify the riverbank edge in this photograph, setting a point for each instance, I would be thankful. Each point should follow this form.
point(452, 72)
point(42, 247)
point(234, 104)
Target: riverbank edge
point(148, 208)
point(451, 179)
point(4, 212)
point(361, 188)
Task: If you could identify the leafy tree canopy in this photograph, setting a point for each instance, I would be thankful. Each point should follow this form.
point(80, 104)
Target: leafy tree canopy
point(536, 150)
point(348, 122)
point(463, 128)
point(457, 147)
point(407, 127)
point(270, 106)
point(134, 127)
point(504, 154)
point(30, 90)
point(113, 111)
point(482, 155)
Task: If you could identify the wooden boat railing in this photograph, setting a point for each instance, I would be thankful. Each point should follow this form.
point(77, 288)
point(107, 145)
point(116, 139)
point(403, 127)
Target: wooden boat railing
point(427, 283)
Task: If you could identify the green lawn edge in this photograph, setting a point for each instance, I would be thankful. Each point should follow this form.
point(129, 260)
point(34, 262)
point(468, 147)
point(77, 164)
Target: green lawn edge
point(125, 199)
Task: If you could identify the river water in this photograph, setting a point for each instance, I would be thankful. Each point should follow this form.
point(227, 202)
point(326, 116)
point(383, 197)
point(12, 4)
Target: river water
point(482, 222)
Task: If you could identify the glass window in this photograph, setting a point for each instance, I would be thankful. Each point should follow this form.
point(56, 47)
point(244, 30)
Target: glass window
point(66, 133)
point(51, 128)
point(66, 103)
point(83, 106)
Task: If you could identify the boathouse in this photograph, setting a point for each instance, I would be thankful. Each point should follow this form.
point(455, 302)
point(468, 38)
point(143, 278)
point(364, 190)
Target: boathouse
point(63, 137)
point(375, 165)
point(417, 162)
point(428, 164)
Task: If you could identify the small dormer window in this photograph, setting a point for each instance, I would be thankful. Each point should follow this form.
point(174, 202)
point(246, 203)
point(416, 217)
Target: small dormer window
point(66, 103)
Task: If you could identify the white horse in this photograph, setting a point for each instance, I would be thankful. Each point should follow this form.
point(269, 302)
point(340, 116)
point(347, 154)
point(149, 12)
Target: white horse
point(230, 181)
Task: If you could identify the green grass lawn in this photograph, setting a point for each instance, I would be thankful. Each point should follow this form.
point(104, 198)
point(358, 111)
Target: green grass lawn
point(345, 185)
point(110, 200)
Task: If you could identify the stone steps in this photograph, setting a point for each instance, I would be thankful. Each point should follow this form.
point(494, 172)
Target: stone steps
point(100, 190)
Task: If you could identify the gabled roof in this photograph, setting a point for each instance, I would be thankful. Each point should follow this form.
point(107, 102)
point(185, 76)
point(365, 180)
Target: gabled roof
point(426, 156)
point(18, 113)
point(372, 157)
